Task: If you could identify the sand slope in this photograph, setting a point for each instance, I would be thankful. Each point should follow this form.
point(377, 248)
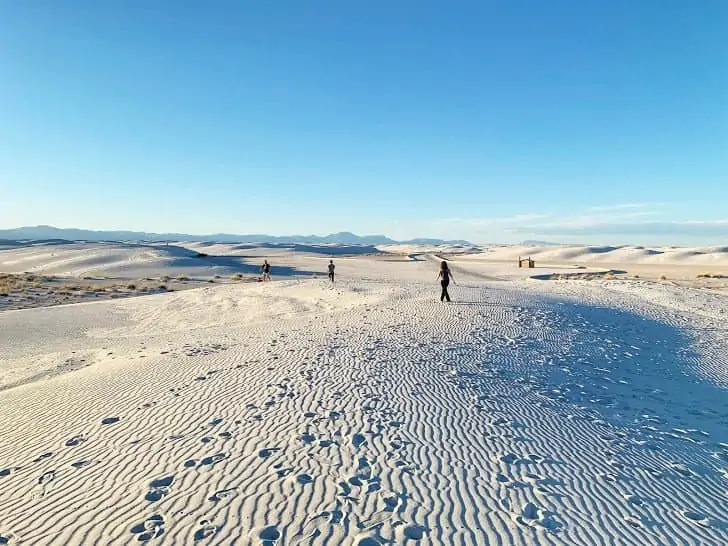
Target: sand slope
point(707, 256)
point(290, 413)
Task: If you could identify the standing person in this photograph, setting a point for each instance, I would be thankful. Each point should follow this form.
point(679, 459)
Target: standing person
point(331, 270)
point(266, 270)
point(444, 276)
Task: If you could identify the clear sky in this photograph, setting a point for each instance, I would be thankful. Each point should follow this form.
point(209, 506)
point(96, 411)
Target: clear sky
point(496, 121)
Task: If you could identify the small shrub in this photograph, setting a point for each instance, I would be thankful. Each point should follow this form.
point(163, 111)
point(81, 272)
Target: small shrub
point(183, 278)
point(162, 287)
point(212, 281)
point(131, 286)
point(4, 295)
point(663, 277)
point(201, 255)
point(710, 276)
point(218, 277)
point(237, 277)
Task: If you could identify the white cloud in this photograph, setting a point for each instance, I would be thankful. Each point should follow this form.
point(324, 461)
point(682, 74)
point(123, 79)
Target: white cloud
point(625, 206)
point(626, 222)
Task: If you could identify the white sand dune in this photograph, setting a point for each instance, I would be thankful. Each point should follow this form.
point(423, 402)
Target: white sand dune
point(291, 413)
point(709, 256)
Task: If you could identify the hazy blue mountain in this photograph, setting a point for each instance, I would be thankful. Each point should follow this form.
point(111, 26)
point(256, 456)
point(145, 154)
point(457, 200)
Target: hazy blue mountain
point(72, 234)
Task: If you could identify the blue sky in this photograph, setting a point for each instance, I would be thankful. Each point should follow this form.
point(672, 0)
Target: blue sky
point(496, 121)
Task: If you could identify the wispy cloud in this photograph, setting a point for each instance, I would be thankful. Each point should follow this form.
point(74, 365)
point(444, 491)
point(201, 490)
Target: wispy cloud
point(587, 216)
point(496, 221)
point(689, 228)
point(623, 221)
point(625, 207)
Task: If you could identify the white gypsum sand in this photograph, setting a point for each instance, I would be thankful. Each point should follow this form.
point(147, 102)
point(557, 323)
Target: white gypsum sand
point(291, 412)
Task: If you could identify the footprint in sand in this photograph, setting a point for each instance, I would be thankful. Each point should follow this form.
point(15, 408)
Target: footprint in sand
point(222, 495)
point(682, 470)
point(633, 499)
point(369, 541)
point(151, 528)
point(76, 440)
point(533, 515)
point(267, 452)
point(510, 458)
point(270, 536)
point(47, 477)
point(43, 457)
point(4, 472)
point(695, 517)
point(282, 472)
point(307, 438)
point(206, 531)
point(110, 420)
point(209, 461)
point(635, 522)
point(414, 532)
point(159, 488)
point(81, 464)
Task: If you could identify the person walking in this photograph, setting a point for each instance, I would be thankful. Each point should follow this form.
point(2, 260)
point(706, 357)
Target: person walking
point(332, 267)
point(445, 275)
point(266, 270)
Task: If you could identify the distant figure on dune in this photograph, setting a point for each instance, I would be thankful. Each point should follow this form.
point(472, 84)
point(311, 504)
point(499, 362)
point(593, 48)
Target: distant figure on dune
point(266, 270)
point(331, 270)
point(444, 276)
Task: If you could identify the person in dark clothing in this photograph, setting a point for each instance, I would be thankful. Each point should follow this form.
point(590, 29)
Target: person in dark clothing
point(331, 270)
point(445, 275)
point(266, 270)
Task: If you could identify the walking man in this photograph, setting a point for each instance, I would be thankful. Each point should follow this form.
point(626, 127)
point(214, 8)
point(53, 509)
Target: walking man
point(266, 270)
point(331, 270)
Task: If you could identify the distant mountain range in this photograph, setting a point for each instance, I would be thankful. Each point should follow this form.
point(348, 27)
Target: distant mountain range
point(50, 232)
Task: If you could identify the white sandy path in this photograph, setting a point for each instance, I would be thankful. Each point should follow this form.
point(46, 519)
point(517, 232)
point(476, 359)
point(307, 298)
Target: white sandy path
point(288, 413)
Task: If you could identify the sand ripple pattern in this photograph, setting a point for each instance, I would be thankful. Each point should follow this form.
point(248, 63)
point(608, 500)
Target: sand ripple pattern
point(527, 413)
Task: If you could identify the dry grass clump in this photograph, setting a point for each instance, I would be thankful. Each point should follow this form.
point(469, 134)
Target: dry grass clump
point(663, 277)
point(711, 276)
point(237, 277)
point(609, 277)
point(131, 286)
point(8, 283)
point(183, 278)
